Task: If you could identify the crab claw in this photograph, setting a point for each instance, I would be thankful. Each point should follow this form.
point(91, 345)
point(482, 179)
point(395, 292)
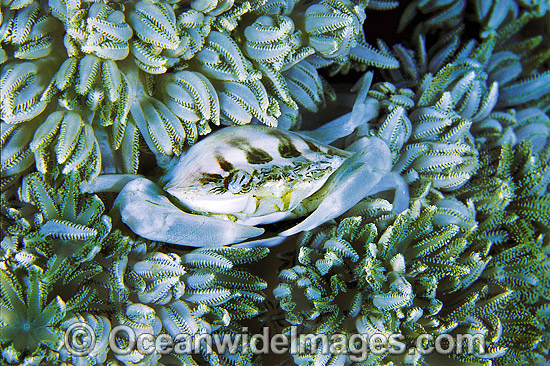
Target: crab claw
point(149, 214)
point(364, 109)
point(361, 175)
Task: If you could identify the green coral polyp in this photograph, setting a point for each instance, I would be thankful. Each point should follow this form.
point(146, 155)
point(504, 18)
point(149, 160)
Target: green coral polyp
point(110, 47)
point(409, 277)
point(456, 102)
point(62, 242)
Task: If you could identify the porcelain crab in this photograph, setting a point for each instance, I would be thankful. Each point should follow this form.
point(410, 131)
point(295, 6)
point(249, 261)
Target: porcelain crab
point(240, 177)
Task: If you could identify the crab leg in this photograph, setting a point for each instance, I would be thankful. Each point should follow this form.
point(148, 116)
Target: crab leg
point(347, 186)
point(359, 176)
point(108, 183)
point(364, 109)
point(393, 180)
point(148, 213)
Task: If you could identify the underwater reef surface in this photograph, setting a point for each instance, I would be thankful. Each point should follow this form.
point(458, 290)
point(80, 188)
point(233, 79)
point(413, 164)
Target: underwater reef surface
point(395, 182)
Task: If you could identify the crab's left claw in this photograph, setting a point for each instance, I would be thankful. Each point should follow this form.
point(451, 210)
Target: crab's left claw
point(363, 174)
point(148, 213)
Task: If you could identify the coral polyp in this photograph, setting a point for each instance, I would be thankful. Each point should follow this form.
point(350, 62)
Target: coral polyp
point(177, 174)
point(120, 63)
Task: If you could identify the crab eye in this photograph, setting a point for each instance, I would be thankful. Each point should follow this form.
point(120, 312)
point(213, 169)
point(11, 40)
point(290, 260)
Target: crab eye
point(239, 182)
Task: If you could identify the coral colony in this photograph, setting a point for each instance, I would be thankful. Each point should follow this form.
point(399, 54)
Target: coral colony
point(162, 159)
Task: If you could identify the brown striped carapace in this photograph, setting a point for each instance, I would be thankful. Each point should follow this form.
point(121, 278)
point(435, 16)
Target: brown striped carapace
point(252, 174)
point(239, 177)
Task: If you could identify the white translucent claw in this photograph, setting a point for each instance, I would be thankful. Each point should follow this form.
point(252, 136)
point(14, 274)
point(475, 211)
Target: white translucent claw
point(267, 242)
point(355, 179)
point(395, 181)
point(391, 180)
point(108, 183)
point(149, 214)
point(364, 109)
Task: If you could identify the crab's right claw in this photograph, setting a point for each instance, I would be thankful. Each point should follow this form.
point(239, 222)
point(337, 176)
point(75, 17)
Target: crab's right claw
point(365, 173)
point(349, 184)
point(149, 214)
point(337, 198)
